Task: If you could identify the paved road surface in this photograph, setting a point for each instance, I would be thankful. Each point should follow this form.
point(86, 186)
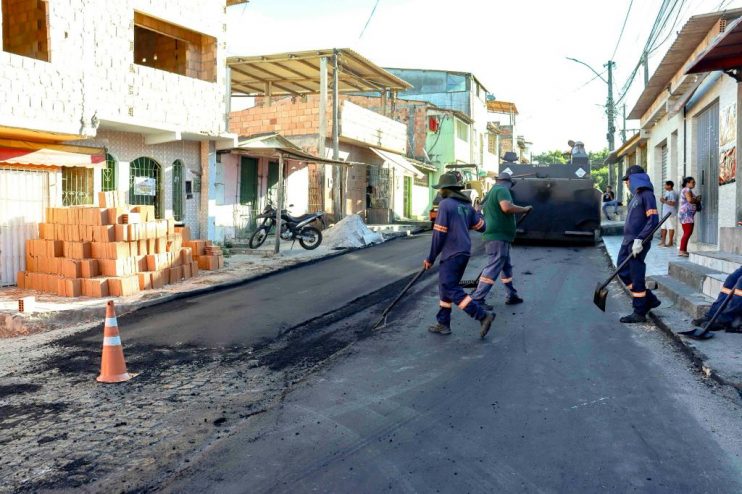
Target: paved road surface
point(263, 309)
point(560, 398)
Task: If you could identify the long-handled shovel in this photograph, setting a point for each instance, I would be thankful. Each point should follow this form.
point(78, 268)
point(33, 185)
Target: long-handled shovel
point(475, 282)
point(705, 332)
point(601, 292)
point(384, 314)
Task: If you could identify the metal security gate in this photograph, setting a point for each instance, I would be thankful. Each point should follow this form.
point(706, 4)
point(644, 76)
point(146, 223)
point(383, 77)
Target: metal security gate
point(24, 197)
point(707, 141)
point(77, 186)
point(665, 165)
point(380, 183)
point(178, 190)
point(108, 174)
point(316, 196)
point(144, 183)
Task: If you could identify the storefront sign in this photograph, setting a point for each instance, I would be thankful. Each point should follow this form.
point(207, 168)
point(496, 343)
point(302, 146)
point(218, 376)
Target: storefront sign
point(145, 186)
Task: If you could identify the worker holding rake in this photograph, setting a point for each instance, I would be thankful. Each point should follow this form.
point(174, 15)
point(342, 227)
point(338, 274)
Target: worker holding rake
point(456, 216)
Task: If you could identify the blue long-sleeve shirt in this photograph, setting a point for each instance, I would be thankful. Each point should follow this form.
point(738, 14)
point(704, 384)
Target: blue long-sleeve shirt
point(451, 230)
point(642, 215)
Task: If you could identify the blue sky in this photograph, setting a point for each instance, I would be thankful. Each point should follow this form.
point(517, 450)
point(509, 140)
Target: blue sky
point(516, 48)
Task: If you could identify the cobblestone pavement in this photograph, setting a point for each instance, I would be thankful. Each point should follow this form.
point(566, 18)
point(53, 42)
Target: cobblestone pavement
point(59, 429)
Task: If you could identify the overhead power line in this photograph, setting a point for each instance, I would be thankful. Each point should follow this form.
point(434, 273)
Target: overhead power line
point(373, 11)
point(620, 35)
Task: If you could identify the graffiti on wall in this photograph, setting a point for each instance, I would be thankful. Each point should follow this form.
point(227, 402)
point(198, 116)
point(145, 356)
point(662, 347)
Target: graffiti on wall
point(728, 145)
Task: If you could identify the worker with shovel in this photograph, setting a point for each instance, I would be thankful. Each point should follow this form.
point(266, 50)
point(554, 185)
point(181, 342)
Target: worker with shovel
point(451, 241)
point(641, 220)
point(730, 317)
point(499, 214)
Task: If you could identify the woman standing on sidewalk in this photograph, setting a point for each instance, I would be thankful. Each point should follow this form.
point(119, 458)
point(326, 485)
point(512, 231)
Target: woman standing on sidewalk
point(687, 212)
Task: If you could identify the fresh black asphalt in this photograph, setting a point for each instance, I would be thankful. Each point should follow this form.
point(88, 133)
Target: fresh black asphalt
point(560, 397)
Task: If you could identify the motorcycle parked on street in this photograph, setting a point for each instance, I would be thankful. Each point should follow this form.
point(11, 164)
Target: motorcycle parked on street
point(292, 227)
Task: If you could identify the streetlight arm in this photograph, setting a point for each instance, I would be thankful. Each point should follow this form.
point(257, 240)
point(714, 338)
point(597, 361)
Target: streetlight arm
point(586, 65)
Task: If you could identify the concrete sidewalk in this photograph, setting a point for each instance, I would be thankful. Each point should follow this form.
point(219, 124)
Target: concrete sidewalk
point(720, 357)
point(53, 312)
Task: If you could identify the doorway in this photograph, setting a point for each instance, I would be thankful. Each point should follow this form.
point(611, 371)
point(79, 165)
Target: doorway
point(707, 143)
point(407, 197)
point(145, 177)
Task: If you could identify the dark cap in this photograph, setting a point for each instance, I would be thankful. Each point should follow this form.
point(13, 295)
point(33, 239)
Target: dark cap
point(448, 181)
point(504, 177)
point(633, 169)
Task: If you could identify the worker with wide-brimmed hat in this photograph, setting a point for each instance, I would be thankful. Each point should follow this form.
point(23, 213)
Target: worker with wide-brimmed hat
point(499, 214)
point(456, 216)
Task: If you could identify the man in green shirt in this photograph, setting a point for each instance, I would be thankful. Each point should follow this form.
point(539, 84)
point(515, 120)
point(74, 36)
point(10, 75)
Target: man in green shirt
point(499, 216)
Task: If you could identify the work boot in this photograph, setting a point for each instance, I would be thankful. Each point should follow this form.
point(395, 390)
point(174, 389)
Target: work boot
point(513, 300)
point(653, 305)
point(440, 329)
point(633, 318)
point(486, 324)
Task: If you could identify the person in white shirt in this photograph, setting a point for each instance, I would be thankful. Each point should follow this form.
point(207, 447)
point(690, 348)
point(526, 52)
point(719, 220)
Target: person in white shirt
point(669, 202)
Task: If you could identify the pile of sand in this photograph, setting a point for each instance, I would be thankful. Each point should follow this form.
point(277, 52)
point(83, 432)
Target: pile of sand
point(350, 232)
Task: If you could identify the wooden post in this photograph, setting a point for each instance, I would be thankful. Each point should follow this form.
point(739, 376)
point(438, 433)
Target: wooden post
point(279, 206)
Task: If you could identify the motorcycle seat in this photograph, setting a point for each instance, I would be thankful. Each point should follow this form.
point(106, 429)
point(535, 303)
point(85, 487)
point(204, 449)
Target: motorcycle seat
point(299, 219)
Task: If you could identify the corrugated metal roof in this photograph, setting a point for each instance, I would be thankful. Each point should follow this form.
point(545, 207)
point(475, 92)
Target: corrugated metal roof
point(687, 40)
point(496, 106)
point(723, 54)
point(298, 73)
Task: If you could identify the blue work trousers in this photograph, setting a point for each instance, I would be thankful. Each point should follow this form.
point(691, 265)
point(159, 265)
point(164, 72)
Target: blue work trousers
point(498, 265)
point(449, 275)
point(732, 313)
point(633, 276)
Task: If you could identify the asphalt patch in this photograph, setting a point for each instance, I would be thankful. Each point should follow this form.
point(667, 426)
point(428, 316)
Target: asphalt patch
point(18, 389)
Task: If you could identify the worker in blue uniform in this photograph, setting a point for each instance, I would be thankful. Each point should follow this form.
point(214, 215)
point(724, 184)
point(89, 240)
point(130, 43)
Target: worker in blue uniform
point(641, 218)
point(451, 241)
point(731, 317)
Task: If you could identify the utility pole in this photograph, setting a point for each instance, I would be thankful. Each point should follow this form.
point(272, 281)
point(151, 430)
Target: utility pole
point(645, 63)
point(623, 129)
point(610, 108)
point(337, 171)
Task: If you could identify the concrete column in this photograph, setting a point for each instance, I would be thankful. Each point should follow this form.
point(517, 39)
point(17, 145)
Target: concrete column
point(206, 215)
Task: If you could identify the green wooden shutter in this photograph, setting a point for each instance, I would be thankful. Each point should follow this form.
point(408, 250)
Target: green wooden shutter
point(248, 180)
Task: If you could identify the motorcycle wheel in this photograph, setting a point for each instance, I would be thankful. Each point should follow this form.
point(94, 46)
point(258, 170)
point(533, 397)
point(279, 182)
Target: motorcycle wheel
point(310, 231)
point(258, 237)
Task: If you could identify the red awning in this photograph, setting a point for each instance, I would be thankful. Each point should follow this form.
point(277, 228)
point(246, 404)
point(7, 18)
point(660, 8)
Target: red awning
point(46, 156)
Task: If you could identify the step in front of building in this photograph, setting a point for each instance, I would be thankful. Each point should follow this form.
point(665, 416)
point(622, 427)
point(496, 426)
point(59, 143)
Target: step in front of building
point(683, 296)
point(730, 240)
point(697, 276)
point(720, 261)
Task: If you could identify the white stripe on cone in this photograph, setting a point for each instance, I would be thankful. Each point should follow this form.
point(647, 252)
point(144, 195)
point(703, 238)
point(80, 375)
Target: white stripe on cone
point(111, 322)
point(112, 341)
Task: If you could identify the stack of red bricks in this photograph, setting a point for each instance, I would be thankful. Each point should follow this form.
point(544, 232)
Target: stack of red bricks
point(209, 257)
point(106, 251)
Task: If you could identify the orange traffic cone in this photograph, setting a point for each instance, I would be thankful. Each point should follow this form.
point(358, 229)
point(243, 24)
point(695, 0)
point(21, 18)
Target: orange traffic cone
point(112, 365)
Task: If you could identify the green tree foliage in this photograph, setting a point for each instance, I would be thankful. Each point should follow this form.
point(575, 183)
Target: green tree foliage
point(600, 177)
point(550, 158)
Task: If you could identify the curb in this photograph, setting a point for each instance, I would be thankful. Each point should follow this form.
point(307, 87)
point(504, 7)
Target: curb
point(696, 356)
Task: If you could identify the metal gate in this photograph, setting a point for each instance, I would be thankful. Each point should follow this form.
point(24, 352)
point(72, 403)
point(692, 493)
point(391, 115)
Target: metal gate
point(108, 174)
point(178, 190)
point(665, 165)
point(316, 195)
point(77, 186)
point(144, 183)
point(380, 183)
point(707, 140)
point(24, 197)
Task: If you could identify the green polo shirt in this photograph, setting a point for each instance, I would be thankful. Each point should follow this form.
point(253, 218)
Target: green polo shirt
point(500, 226)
